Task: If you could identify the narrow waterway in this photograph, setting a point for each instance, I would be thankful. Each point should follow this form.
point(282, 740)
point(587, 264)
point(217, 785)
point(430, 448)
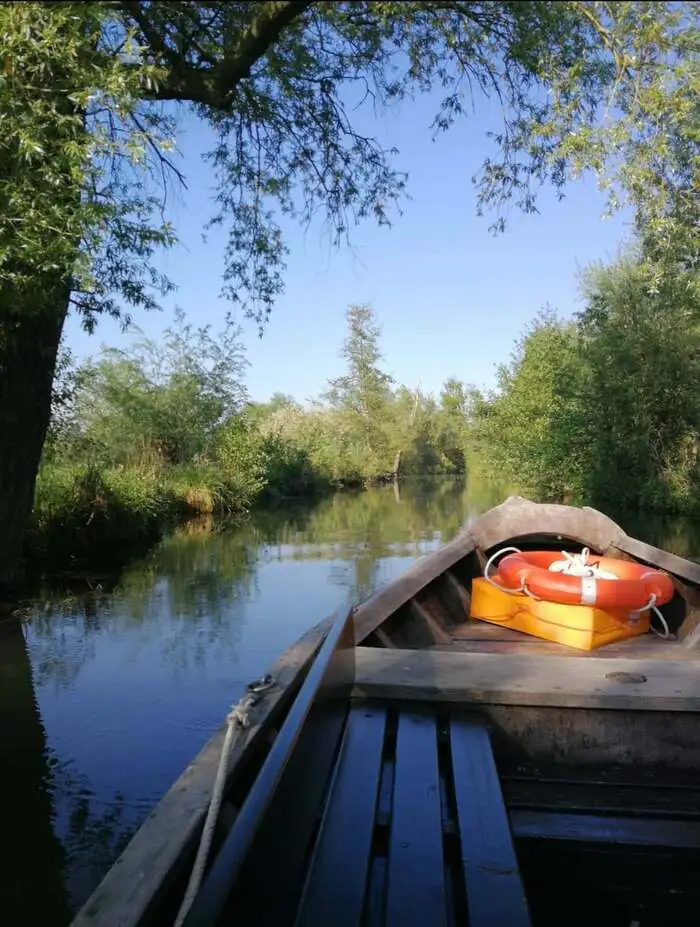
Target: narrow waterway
point(107, 694)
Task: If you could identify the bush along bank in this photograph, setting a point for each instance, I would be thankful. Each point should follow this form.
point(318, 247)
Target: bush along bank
point(158, 432)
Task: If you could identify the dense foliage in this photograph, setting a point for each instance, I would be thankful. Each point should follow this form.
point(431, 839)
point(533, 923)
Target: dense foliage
point(166, 429)
point(92, 93)
point(87, 138)
point(605, 407)
point(600, 407)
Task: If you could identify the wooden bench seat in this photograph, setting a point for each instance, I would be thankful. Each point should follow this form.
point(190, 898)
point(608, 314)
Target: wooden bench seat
point(392, 814)
point(409, 827)
point(385, 855)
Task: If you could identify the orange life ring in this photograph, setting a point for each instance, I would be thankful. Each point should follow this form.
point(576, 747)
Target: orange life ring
point(633, 589)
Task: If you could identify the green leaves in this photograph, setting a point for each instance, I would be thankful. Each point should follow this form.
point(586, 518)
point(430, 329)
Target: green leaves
point(86, 142)
point(604, 409)
point(162, 403)
point(75, 153)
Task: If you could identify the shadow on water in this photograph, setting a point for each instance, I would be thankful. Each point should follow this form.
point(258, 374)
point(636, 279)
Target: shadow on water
point(109, 690)
point(33, 889)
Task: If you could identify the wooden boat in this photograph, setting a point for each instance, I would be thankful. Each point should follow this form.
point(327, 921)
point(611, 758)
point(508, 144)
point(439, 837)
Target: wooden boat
point(410, 766)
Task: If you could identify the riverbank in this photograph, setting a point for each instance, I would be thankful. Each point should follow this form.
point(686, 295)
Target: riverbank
point(81, 511)
point(87, 516)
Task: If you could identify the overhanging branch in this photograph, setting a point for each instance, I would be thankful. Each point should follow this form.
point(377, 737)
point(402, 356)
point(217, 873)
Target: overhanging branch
point(263, 31)
point(214, 85)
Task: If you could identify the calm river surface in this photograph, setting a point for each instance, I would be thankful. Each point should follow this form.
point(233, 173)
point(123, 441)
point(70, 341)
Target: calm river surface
point(106, 696)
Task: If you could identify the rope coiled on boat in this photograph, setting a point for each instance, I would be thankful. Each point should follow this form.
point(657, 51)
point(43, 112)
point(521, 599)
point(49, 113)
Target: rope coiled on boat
point(237, 721)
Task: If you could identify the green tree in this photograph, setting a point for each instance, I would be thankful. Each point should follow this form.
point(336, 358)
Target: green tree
point(163, 401)
point(525, 433)
point(91, 93)
point(639, 411)
point(454, 416)
point(365, 389)
point(364, 392)
point(604, 407)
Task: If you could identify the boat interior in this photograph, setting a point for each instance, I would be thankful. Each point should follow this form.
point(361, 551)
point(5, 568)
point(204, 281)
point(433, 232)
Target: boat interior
point(438, 616)
point(447, 776)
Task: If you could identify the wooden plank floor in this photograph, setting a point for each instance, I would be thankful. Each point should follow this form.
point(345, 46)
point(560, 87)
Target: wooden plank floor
point(495, 894)
point(344, 846)
point(483, 637)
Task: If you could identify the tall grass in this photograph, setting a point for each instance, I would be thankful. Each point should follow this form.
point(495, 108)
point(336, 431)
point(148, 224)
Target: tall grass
point(81, 507)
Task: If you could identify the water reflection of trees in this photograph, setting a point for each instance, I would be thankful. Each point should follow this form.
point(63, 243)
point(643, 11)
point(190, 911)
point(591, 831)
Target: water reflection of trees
point(380, 518)
point(205, 573)
point(201, 568)
point(196, 578)
point(94, 830)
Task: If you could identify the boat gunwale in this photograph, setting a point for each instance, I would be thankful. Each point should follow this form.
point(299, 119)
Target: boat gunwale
point(516, 518)
point(130, 888)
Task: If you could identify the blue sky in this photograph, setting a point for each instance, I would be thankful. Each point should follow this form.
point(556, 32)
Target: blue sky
point(450, 297)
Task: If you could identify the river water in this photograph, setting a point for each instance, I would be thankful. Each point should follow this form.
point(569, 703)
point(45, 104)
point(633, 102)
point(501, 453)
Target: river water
point(108, 693)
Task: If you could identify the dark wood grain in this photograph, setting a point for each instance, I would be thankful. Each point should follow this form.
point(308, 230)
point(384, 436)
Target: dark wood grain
point(435, 629)
point(626, 799)
point(416, 876)
point(495, 893)
point(338, 876)
point(589, 828)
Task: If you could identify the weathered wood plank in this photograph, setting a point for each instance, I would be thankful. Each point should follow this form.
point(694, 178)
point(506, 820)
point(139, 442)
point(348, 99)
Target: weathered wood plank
point(154, 856)
point(536, 736)
point(689, 635)
point(335, 890)
point(590, 828)
point(463, 597)
point(416, 891)
point(672, 563)
point(518, 517)
point(384, 639)
point(481, 559)
point(495, 893)
point(633, 799)
point(667, 685)
point(387, 600)
point(484, 630)
point(532, 647)
point(646, 647)
point(437, 631)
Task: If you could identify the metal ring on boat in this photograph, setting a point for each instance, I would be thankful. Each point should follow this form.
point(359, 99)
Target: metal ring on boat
point(633, 589)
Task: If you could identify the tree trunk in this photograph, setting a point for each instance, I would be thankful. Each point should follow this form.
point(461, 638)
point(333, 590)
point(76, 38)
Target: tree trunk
point(29, 340)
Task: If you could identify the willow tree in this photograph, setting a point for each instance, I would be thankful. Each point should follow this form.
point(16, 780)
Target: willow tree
point(91, 95)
